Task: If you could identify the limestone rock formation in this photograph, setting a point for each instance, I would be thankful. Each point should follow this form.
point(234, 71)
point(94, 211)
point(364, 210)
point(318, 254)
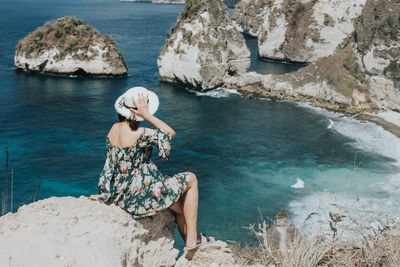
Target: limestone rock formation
point(361, 75)
point(249, 15)
point(298, 31)
point(67, 47)
point(68, 231)
point(216, 254)
point(203, 47)
point(377, 45)
point(336, 83)
point(71, 231)
point(282, 232)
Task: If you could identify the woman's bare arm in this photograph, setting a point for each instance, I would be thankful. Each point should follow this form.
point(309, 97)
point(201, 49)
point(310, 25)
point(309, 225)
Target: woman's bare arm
point(143, 111)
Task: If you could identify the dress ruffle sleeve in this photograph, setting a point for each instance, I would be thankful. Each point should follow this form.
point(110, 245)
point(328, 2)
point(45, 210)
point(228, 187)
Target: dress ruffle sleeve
point(158, 138)
point(106, 177)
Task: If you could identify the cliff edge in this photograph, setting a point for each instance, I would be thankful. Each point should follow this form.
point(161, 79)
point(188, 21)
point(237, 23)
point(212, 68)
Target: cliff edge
point(68, 231)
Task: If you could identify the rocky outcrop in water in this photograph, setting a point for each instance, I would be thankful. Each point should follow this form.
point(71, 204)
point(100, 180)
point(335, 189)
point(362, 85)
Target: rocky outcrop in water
point(203, 48)
point(361, 75)
point(66, 47)
point(298, 31)
point(68, 231)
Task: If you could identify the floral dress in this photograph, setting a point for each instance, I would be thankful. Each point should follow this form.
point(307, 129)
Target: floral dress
point(138, 186)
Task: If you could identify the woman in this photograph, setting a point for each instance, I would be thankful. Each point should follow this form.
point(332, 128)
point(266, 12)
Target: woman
point(138, 186)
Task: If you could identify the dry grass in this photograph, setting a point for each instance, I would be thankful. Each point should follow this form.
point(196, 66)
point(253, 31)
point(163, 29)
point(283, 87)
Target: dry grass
point(8, 186)
point(4, 195)
point(378, 247)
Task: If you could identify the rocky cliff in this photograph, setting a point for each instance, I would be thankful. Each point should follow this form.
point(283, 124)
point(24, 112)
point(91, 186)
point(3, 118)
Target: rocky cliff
point(298, 31)
point(248, 15)
point(67, 46)
point(363, 75)
point(203, 47)
point(377, 47)
point(336, 82)
point(71, 231)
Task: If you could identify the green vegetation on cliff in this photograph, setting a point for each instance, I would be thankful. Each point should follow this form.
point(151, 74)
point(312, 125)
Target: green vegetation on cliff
point(71, 36)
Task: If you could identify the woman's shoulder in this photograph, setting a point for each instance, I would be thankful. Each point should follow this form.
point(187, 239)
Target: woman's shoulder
point(114, 129)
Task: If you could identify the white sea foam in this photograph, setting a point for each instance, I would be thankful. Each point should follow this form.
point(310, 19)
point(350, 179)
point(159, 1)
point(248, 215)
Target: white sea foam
point(331, 123)
point(366, 135)
point(299, 184)
point(219, 92)
point(363, 205)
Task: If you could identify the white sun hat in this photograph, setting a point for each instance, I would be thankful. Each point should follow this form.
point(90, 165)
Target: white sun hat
point(124, 102)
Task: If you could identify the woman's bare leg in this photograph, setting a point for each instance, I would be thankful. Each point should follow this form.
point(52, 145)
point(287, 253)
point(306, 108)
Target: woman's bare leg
point(179, 218)
point(190, 208)
point(186, 211)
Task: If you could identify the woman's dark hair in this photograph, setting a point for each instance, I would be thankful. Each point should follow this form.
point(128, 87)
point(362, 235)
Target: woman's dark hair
point(133, 124)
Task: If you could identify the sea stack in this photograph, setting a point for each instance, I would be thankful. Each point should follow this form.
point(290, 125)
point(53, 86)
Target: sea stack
point(67, 46)
point(203, 47)
point(298, 31)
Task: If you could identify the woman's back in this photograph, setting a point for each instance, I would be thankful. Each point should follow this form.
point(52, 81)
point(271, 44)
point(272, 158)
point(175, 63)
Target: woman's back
point(121, 135)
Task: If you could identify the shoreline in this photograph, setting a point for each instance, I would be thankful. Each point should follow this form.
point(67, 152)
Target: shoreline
point(389, 120)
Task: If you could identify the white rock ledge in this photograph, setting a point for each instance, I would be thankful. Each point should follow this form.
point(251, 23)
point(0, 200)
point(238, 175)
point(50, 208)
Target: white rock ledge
point(72, 231)
point(69, 231)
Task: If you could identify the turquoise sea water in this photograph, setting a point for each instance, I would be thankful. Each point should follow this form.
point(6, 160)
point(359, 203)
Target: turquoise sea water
point(246, 153)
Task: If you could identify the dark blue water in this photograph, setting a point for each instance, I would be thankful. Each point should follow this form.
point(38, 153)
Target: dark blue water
point(246, 153)
point(267, 67)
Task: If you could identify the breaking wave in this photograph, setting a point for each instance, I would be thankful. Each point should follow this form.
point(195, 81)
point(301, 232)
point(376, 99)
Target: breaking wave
point(219, 93)
point(372, 199)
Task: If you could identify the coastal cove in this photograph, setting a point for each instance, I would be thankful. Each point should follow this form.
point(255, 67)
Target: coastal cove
point(246, 152)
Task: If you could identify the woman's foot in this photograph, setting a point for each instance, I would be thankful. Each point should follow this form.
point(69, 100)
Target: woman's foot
point(202, 239)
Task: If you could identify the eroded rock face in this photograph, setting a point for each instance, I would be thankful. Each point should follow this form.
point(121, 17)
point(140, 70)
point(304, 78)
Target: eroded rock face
point(203, 47)
point(298, 31)
point(71, 231)
point(69, 47)
point(377, 39)
point(361, 75)
point(249, 15)
point(336, 83)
